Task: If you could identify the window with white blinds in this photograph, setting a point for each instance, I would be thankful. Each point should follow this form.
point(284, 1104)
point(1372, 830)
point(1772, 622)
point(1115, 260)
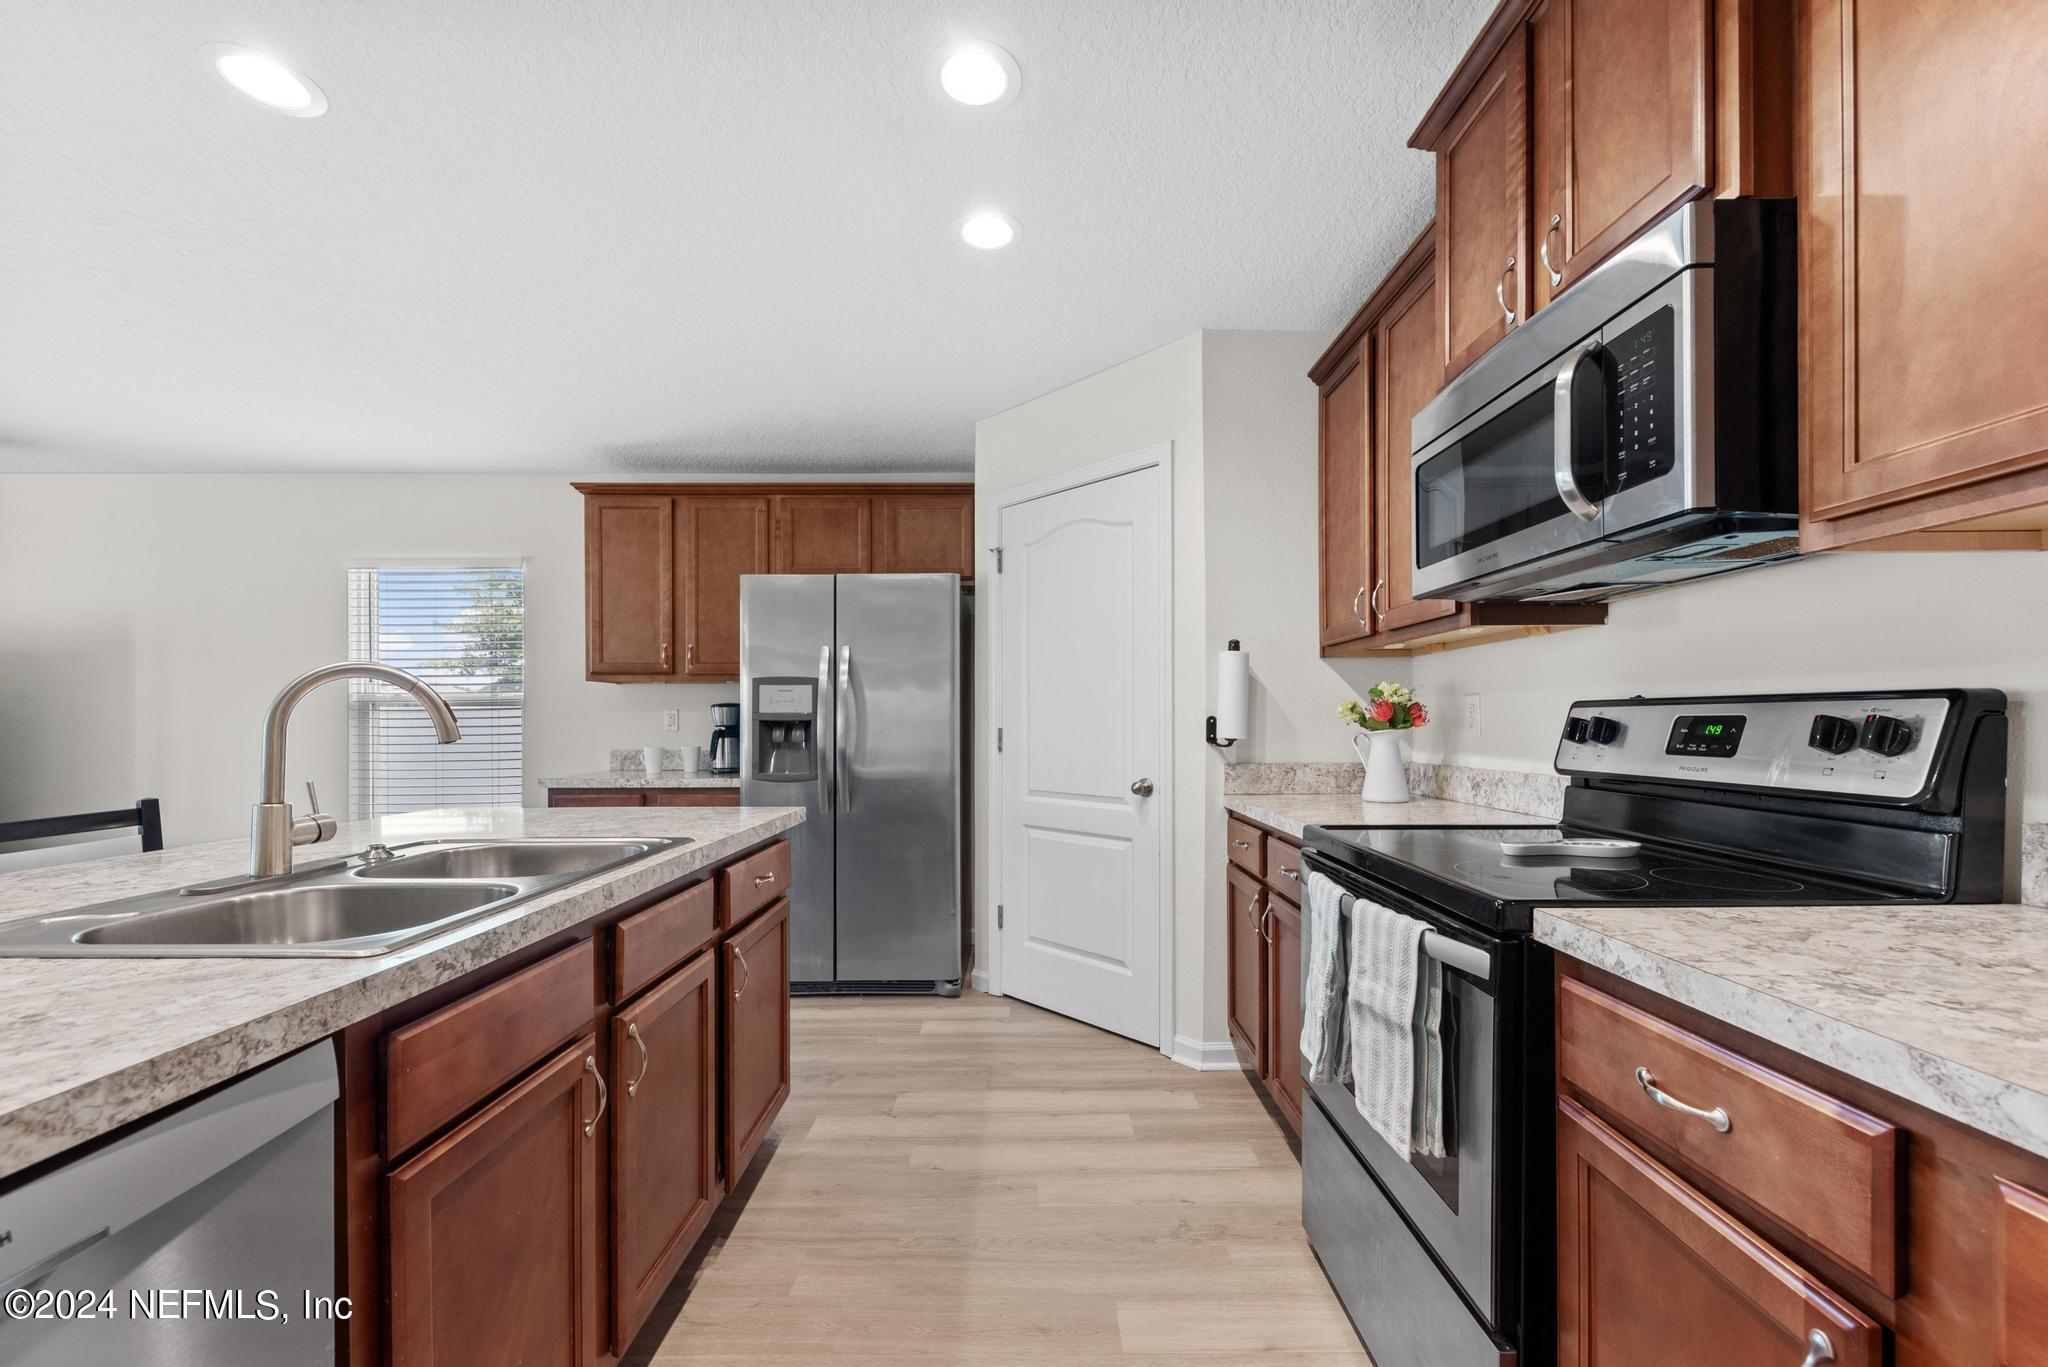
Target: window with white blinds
point(462, 628)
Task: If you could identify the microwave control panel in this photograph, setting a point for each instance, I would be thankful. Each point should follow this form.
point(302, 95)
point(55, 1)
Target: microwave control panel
point(1638, 371)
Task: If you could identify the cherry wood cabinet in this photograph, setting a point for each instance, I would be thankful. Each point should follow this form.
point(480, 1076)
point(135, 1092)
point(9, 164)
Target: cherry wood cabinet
point(662, 562)
point(493, 1253)
point(1283, 991)
point(643, 797)
point(1923, 359)
point(1482, 211)
point(1245, 904)
point(1620, 107)
point(1649, 1271)
point(718, 539)
point(629, 586)
point(665, 1175)
point(1406, 369)
point(2022, 1238)
point(756, 1024)
point(822, 534)
point(1345, 496)
point(924, 534)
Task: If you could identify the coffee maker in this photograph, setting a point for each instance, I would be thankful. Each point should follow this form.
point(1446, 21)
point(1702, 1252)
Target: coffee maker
point(725, 738)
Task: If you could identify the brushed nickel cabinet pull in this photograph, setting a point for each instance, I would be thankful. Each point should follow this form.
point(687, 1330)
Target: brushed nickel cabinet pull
point(746, 974)
point(1818, 1349)
point(1556, 225)
point(764, 879)
point(1354, 606)
point(604, 1096)
point(1500, 291)
point(1717, 1117)
point(633, 1034)
point(1377, 610)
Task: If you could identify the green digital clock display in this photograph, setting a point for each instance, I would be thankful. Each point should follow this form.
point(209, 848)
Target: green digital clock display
point(1717, 737)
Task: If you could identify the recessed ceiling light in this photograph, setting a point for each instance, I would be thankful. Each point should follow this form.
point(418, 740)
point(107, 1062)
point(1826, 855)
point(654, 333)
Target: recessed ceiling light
point(266, 80)
point(988, 229)
point(978, 74)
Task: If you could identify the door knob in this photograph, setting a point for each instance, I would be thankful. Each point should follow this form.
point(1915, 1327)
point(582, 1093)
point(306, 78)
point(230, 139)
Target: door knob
point(1143, 787)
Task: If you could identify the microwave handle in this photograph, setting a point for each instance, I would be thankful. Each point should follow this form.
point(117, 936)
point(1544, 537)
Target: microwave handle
point(1564, 431)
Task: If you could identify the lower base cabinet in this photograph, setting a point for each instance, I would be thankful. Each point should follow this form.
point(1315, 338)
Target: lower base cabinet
point(1283, 973)
point(492, 1253)
point(531, 1154)
point(665, 1174)
point(756, 1033)
point(1650, 1271)
point(1263, 926)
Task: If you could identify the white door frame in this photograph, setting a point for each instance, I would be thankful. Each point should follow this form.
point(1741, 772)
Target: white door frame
point(1148, 457)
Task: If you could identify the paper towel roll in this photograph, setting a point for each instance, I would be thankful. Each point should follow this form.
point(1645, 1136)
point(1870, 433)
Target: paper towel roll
point(1233, 693)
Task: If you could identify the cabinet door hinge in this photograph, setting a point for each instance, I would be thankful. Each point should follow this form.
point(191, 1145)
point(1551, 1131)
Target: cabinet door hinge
point(999, 740)
point(999, 558)
point(999, 916)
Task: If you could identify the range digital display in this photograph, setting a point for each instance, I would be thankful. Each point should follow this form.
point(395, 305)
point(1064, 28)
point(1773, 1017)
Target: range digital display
point(1717, 737)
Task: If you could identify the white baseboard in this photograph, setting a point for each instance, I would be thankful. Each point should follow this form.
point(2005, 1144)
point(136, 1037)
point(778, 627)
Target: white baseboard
point(1212, 1057)
point(978, 979)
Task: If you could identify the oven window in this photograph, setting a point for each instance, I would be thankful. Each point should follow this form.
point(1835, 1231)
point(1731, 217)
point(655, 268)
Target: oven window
point(1496, 480)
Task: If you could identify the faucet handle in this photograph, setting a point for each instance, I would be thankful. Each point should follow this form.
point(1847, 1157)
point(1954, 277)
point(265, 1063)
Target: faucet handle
point(312, 797)
point(316, 825)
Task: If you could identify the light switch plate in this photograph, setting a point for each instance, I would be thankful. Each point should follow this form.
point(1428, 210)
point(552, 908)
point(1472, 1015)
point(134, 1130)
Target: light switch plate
point(1471, 711)
point(671, 719)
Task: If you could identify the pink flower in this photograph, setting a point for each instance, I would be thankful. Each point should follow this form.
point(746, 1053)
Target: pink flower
point(1382, 710)
point(1418, 715)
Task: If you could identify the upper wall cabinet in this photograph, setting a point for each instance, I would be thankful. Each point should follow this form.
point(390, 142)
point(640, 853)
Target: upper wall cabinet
point(629, 586)
point(1572, 125)
point(1620, 120)
point(662, 563)
point(1922, 200)
point(1482, 210)
point(1344, 495)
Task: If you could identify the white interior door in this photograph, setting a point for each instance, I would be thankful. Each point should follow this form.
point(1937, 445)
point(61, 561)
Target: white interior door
point(1083, 780)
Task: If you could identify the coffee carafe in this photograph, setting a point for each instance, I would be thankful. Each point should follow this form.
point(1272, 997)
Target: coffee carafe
point(724, 756)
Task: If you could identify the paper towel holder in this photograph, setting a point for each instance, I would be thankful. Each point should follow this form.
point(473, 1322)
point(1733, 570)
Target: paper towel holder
point(1222, 744)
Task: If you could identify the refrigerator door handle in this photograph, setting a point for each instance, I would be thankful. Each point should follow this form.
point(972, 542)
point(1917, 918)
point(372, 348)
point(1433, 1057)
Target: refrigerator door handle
point(843, 778)
point(827, 773)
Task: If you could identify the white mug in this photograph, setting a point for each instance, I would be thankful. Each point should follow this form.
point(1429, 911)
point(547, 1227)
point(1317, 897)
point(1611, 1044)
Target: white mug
point(650, 755)
point(693, 758)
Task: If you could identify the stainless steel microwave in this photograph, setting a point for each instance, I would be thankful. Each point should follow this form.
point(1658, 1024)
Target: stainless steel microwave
point(1639, 431)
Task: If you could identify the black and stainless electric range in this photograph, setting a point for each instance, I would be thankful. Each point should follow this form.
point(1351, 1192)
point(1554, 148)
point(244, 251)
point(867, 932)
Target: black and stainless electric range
point(1821, 799)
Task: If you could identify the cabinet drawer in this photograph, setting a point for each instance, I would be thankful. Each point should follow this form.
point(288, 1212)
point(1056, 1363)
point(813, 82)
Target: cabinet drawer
point(1816, 1165)
point(1246, 844)
point(596, 797)
point(1283, 867)
point(441, 1065)
point(1651, 1272)
point(754, 882)
point(693, 797)
point(2022, 1277)
point(649, 943)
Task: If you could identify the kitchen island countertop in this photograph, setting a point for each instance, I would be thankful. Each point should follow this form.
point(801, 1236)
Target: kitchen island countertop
point(88, 1045)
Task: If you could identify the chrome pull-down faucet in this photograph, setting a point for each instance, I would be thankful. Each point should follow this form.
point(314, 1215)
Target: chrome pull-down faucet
point(273, 831)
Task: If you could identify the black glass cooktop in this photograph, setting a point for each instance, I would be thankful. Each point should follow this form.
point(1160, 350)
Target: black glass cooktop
point(1463, 870)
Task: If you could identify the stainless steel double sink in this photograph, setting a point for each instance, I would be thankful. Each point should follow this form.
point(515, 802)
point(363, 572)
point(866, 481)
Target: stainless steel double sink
point(351, 907)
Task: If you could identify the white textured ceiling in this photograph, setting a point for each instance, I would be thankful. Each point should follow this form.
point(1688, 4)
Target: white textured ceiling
point(656, 235)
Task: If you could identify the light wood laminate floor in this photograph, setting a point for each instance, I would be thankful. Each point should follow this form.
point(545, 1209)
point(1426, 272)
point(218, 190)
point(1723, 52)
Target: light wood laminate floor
point(980, 1182)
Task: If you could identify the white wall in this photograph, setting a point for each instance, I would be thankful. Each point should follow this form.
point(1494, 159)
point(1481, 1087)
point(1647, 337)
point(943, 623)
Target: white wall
point(1843, 621)
point(1241, 416)
point(147, 620)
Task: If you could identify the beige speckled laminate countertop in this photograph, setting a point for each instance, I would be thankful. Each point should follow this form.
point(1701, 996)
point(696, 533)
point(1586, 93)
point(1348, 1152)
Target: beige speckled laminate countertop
point(1946, 1006)
point(638, 778)
point(1293, 813)
point(87, 1045)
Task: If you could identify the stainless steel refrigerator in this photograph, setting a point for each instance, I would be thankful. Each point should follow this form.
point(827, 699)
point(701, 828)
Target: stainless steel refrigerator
point(852, 697)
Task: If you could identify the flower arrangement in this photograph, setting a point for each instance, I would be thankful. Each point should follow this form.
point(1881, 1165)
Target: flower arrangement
point(1387, 707)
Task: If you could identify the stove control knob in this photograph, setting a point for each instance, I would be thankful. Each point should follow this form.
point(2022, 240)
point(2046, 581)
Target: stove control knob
point(1833, 735)
point(1606, 730)
point(1886, 735)
point(1576, 730)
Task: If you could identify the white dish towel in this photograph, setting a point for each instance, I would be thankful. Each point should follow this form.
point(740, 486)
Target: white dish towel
point(1396, 1018)
point(1325, 1056)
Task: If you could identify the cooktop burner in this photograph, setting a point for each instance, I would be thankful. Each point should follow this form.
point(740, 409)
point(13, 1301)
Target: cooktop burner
point(1463, 868)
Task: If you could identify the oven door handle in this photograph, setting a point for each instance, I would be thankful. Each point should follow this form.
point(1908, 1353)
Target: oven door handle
point(1564, 431)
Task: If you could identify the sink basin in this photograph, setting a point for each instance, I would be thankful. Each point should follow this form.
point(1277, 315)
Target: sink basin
point(321, 914)
point(342, 908)
point(510, 859)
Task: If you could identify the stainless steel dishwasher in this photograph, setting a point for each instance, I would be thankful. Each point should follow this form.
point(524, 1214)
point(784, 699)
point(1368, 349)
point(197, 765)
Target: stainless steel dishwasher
point(197, 1238)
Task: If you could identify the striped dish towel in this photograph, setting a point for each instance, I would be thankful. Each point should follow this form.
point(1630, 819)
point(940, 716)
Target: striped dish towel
point(1395, 1014)
point(1325, 1053)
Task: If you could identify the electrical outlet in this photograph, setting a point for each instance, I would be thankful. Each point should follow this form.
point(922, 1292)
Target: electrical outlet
point(1471, 711)
point(671, 719)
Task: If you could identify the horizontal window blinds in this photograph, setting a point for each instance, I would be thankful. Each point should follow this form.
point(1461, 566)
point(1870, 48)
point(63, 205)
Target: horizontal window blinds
point(462, 628)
